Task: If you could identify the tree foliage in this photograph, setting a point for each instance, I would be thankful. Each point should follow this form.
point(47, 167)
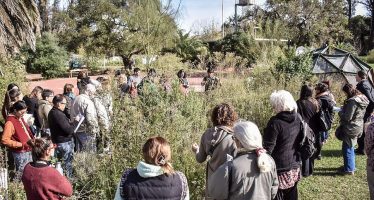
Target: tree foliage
point(48, 58)
point(119, 27)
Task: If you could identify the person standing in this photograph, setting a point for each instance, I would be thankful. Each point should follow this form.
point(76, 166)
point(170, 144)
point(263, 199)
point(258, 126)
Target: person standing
point(45, 105)
point(7, 102)
point(40, 180)
point(326, 104)
point(15, 136)
point(211, 82)
point(62, 131)
point(351, 125)
point(308, 108)
point(217, 142)
point(251, 175)
point(369, 150)
point(88, 130)
point(69, 96)
point(282, 137)
point(366, 88)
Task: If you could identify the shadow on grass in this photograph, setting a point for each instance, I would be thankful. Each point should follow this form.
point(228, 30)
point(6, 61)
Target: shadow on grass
point(331, 153)
point(325, 173)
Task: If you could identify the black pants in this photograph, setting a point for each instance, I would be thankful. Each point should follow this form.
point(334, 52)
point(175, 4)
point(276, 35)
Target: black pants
point(287, 194)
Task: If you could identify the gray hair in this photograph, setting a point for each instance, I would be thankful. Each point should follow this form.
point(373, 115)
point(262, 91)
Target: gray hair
point(282, 100)
point(249, 136)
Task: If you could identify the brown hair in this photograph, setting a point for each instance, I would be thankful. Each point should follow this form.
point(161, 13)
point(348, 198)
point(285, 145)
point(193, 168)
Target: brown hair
point(350, 90)
point(35, 91)
point(224, 114)
point(68, 88)
point(361, 74)
point(156, 151)
point(39, 147)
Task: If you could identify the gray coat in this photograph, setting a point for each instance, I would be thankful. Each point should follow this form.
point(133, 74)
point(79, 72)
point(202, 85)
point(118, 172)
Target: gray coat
point(352, 119)
point(218, 138)
point(241, 179)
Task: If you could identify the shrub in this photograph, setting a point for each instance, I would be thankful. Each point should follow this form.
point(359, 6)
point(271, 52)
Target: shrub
point(370, 57)
point(49, 59)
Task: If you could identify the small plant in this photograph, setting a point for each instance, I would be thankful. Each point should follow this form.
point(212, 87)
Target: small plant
point(370, 57)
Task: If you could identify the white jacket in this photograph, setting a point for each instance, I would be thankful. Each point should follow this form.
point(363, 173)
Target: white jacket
point(84, 105)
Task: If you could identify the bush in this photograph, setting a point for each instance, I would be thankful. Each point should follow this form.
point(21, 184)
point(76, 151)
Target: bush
point(370, 57)
point(49, 59)
point(293, 67)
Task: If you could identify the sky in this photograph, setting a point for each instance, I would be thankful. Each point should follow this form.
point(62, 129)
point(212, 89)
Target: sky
point(195, 13)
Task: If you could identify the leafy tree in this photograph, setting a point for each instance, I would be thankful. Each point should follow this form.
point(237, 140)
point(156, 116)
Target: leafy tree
point(188, 48)
point(48, 58)
point(360, 29)
point(292, 66)
point(311, 22)
point(121, 27)
point(369, 4)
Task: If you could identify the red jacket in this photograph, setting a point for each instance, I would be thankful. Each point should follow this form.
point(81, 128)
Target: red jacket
point(45, 182)
point(16, 134)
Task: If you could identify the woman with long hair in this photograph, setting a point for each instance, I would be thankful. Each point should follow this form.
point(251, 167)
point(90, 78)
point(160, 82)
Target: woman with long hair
point(40, 180)
point(308, 108)
point(351, 125)
point(251, 174)
point(153, 178)
point(12, 94)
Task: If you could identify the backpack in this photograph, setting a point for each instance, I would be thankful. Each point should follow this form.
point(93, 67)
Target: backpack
point(324, 121)
point(306, 147)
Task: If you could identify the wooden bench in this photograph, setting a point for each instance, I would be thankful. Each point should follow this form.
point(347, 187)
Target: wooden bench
point(34, 77)
point(73, 71)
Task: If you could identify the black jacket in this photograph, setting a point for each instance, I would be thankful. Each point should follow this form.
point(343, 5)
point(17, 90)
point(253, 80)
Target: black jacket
point(282, 137)
point(366, 89)
point(32, 108)
point(308, 112)
point(61, 129)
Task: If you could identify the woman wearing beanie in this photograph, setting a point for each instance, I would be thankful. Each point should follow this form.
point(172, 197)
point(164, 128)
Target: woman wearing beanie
point(252, 173)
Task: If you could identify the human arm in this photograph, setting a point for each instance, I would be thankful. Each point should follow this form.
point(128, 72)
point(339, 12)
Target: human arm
point(366, 90)
point(200, 153)
point(7, 137)
point(346, 114)
point(270, 136)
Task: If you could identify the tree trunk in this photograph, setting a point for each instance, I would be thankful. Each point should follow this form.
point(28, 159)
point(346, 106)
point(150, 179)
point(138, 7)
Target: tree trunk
point(43, 9)
point(371, 37)
point(126, 60)
point(19, 25)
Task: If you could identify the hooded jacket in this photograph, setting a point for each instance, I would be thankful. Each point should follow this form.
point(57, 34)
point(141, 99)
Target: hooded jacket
point(85, 106)
point(282, 138)
point(241, 179)
point(352, 119)
point(150, 182)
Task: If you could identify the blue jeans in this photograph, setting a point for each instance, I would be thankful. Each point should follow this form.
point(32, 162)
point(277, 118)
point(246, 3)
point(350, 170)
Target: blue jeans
point(20, 161)
point(65, 153)
point(349, 157)
point(85, 142)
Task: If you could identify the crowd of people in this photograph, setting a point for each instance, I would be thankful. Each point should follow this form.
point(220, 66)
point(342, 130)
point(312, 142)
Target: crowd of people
point(241, 162)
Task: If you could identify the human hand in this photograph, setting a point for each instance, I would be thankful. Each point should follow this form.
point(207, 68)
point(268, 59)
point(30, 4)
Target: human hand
point(77, 118)
point(195, 148)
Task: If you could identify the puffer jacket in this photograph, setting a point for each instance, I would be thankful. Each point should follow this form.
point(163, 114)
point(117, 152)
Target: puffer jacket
point(84, 105)
point(43, 111)
point(352, 119)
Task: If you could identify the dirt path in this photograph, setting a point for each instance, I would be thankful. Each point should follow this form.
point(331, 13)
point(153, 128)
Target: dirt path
point(57, 85)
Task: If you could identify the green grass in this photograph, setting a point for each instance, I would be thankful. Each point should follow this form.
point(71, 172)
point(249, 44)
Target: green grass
point(327, 184)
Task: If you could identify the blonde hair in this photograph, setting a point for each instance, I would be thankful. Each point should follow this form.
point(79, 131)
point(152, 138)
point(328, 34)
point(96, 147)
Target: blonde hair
point(282, 100)
point(250, 138)
point(156, 151)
